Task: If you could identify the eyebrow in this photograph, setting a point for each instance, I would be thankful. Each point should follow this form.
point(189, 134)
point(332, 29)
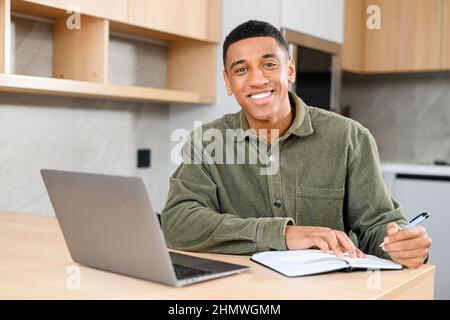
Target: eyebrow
point(266, 56)
point(236, 63)
point(270, 55)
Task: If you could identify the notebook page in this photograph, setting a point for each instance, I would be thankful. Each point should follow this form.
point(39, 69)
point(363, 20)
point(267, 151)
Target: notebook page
point(372, 262)
point(295, 263)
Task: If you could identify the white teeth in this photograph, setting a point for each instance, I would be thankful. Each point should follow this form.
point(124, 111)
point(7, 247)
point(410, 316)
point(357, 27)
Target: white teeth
point(261, 95)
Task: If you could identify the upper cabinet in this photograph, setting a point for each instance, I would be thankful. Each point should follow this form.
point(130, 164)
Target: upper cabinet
point(352, 49)
point(196, 19)
point(187, 31)
point(410, 38)
point(109, 9)
point(446, 36)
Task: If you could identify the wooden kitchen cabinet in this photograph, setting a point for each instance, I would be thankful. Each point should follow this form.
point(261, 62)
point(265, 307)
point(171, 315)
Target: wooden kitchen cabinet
point(192, 18)
point(81, 54)
point(410, 39)
point(446, 36)
point(188, 29)
point(353, 36)
point(116, 10)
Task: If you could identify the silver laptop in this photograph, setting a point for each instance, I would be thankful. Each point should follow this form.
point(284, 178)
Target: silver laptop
point(108, 223)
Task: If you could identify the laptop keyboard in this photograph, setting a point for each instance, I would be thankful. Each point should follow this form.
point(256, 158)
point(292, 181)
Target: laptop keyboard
point(185, 272)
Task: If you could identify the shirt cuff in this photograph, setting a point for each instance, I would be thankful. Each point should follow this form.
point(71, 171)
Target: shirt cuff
point(271, 233)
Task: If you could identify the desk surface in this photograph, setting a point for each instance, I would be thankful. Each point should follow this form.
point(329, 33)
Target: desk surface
point(35, 264)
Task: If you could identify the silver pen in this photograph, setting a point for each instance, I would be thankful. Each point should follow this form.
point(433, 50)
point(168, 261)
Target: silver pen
point(414, 222)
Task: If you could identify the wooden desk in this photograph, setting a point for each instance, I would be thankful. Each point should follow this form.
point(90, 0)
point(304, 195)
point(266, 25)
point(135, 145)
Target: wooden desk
point(34, 263)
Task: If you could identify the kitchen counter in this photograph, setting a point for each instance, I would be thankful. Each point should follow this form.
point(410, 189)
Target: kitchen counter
point(415, 169)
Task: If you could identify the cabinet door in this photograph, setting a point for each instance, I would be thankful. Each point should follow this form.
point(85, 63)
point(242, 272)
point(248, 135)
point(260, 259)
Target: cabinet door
point(353, 35)
point(409, 39)
point(198, 19)
point(446, 36)
point(116, 10)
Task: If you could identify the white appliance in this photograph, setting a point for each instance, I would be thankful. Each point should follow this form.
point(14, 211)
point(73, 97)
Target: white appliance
point(426, 188)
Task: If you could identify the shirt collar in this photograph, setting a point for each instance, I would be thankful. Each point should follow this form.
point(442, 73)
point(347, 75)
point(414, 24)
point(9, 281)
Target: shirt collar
point(301, 126)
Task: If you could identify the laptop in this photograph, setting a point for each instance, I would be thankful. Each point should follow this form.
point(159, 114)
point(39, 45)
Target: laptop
point(108, 223)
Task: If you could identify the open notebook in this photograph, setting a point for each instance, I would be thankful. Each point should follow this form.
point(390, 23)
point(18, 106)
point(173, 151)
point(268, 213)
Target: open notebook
point(294, 263)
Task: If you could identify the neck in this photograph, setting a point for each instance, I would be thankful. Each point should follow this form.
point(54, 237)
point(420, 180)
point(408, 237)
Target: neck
point(281, 122)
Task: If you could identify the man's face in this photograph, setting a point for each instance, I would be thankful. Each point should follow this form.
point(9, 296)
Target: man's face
point(258, 72)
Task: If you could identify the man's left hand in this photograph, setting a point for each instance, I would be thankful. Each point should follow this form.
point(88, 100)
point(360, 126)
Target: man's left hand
point(408, 247)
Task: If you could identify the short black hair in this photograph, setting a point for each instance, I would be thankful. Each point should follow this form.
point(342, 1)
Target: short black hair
point(252, 29)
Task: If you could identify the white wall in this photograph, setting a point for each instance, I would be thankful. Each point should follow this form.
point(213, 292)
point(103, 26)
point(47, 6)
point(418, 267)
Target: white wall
point(320, 18)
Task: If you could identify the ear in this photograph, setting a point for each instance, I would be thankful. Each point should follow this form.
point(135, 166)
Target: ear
point(227, 83)
point(291, 70)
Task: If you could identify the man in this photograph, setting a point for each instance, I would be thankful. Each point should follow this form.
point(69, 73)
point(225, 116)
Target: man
point(327, 185)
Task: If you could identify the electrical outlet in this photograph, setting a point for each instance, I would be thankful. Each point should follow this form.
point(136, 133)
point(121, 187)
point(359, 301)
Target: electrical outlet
point(144, 158)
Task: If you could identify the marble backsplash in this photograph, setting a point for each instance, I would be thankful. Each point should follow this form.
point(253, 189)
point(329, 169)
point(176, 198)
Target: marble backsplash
point(136, 63)
point(78, 135)
point(31, 47)
point(409, 115)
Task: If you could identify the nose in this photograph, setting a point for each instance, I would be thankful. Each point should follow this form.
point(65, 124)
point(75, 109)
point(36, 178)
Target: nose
point(257, 78)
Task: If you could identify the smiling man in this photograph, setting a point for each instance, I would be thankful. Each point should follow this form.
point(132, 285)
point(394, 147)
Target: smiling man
point(327, 192)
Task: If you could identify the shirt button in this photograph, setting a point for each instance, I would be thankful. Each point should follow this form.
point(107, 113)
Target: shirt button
point(277, 203)
point(272, 158)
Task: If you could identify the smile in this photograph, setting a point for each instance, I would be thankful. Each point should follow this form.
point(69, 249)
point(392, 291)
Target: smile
point(261, 98)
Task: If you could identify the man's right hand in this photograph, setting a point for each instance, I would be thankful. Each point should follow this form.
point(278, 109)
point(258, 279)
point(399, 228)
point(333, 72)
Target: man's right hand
point(325, 239)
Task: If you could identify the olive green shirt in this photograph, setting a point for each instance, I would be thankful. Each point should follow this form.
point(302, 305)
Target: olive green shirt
point(328, 175)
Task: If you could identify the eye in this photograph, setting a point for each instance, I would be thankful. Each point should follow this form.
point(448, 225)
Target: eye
point(240, 70)
point(270, 65)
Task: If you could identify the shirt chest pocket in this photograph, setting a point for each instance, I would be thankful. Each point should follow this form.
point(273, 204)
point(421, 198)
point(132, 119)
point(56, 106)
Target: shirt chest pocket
point(319, 207)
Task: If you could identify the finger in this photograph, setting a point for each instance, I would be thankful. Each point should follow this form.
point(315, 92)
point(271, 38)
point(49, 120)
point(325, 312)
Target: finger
point(346, 243)
point(327, 236)
point(409, 244)
point(360, 254)
point(405, 234)
point(322, 245)
point(330, 238)
point(410, 254)
point(392, 228)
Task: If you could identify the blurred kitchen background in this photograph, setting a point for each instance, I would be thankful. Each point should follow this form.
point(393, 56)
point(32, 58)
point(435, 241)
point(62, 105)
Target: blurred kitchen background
point(384, 63)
